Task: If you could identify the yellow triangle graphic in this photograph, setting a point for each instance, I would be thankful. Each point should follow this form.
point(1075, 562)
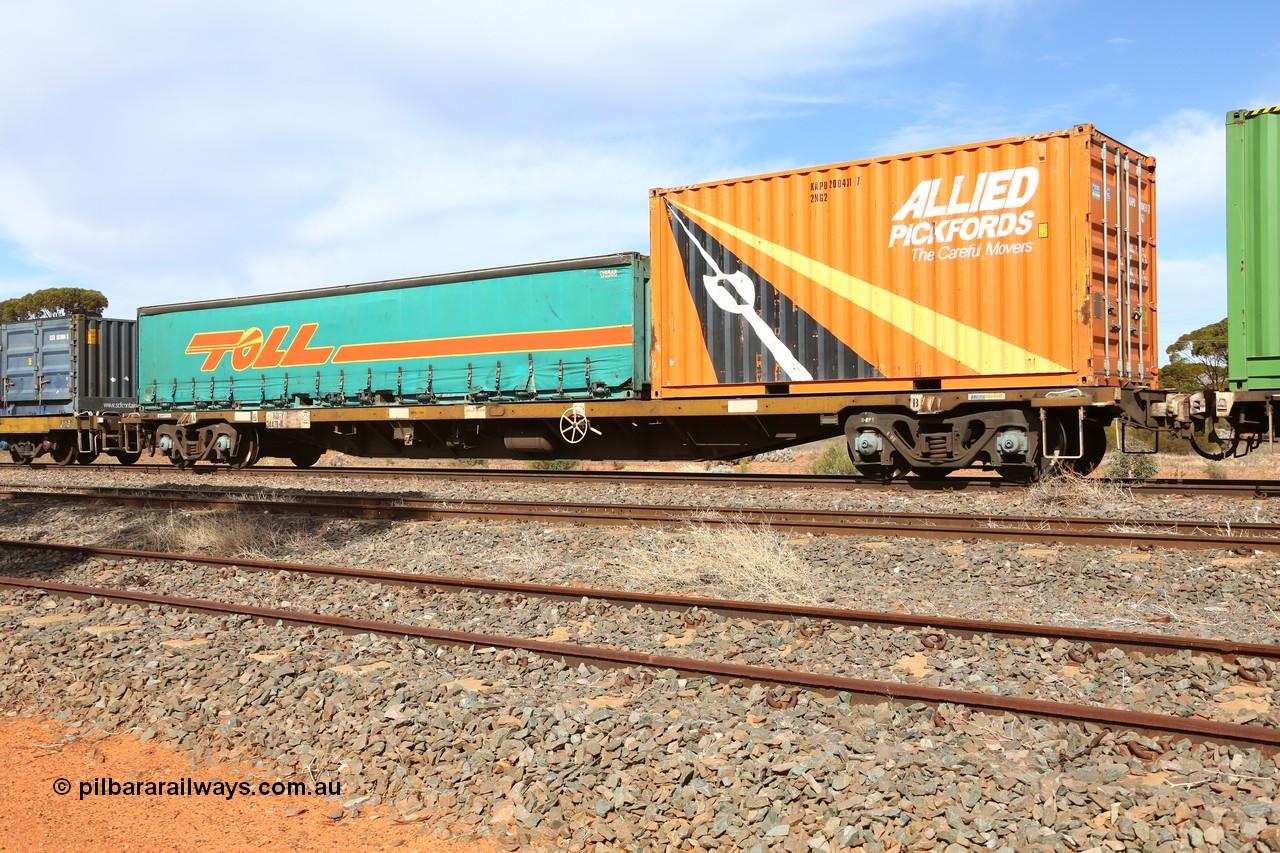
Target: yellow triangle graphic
point(975, 349)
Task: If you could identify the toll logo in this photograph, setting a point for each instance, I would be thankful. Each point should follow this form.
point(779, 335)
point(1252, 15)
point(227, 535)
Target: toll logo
point(991, 206)
point(282, 347)
point(250, 348)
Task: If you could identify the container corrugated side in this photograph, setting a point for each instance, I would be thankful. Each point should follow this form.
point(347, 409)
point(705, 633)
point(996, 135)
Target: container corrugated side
point(564, 329)
point(1253, 248)
point(1025, 261)
point(106, 355)
point(63, 365)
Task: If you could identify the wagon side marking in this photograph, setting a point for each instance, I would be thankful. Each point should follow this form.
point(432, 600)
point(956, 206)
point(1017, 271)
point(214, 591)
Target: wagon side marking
point(248, 348)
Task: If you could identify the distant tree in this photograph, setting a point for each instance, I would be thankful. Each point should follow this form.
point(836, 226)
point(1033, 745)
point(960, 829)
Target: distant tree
point(53, 302)
point(1198, 360)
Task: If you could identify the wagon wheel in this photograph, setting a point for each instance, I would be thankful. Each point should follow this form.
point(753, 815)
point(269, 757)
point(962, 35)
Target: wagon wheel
point(64, 452)
point(306, 456)
point(895, 470)
point(248, 450)
point(1023, 474)
point(127, 458)
point(1038, 465)
point(884, 473)
point(1047, 468)
point(86, 458)
point(574, 425)
point(1095, 447)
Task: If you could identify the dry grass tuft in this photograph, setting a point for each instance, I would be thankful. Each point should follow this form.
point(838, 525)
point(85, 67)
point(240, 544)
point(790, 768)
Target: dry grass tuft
point(224, 534)
point(723, 561)
point(1075, 494)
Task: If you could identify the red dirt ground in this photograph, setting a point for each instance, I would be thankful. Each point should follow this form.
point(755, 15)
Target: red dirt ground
point(34, 753)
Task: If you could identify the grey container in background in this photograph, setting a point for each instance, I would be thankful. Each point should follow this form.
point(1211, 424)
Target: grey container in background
point(63, 365)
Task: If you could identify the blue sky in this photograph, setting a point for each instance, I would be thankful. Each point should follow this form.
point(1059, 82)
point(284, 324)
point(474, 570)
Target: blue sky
point(162, 152)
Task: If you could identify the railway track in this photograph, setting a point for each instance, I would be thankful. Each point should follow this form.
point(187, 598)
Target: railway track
point(936, 627)
point(1253, 488)
point(1032, 529)
point(867, 690)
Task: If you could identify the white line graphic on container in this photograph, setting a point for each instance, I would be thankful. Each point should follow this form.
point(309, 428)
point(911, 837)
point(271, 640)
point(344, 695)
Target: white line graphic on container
point(741, 300)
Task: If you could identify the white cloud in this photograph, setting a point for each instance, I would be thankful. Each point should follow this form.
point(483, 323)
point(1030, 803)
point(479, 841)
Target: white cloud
point(1192, 293)
point(1190, 151)
point(162, 152)
point(953, 119)
point(17, 285)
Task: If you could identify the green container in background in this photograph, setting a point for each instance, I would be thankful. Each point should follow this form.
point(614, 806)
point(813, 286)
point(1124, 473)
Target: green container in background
point(1253, 248)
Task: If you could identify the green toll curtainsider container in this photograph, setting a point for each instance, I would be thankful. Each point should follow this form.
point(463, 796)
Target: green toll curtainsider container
point(1253, 248)
point(575, 329)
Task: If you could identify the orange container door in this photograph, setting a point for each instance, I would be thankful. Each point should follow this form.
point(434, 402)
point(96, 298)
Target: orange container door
point(1122, 238)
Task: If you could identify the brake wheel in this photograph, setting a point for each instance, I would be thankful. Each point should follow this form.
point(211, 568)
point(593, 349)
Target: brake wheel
point(574, 425)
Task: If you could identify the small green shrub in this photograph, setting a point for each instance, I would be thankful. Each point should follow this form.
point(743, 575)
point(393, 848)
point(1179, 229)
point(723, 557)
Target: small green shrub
point(834, 459)
point(552, 464)
point(1135, 466)
point(1215, 470)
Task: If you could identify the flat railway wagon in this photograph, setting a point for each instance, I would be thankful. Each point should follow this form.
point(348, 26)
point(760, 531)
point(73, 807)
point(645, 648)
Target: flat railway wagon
point(493, 363)
point(992, 303)
point(534, 361)
point(985, 303)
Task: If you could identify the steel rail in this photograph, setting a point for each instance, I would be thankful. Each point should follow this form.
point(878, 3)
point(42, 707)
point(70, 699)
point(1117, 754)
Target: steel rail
point(1175, 485)
point(1034, 529)
point(938, 626)
point(863, 690)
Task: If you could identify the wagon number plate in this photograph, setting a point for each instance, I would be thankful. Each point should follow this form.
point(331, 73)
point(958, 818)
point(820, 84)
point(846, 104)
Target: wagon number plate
point(300, 419)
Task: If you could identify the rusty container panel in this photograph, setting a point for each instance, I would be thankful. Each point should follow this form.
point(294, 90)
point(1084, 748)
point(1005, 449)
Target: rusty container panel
point(1023, 262)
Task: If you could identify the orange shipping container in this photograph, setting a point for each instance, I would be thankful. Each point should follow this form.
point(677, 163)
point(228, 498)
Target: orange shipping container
point(1025, 262)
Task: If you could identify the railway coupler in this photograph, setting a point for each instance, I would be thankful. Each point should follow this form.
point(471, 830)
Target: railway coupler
point(1217, 424)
